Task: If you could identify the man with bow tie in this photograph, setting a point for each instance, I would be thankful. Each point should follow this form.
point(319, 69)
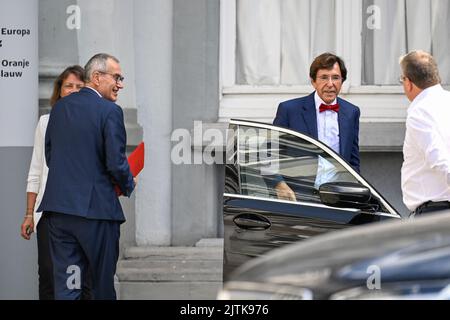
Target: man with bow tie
point(322, 115)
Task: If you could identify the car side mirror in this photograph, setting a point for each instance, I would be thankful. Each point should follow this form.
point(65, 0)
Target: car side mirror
point(344, 195)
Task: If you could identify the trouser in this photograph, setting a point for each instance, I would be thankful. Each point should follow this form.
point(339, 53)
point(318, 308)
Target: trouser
point(78, 246)
point(45, 265)
point(431, 206)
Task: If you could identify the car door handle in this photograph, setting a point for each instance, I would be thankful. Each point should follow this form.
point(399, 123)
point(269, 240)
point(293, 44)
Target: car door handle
point(252, 222)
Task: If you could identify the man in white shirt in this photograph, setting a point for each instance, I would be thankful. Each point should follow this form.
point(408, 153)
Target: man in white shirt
point(426, 150)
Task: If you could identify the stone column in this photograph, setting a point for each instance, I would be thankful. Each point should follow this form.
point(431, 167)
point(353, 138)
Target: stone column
point(197, 200)
point(153, 58)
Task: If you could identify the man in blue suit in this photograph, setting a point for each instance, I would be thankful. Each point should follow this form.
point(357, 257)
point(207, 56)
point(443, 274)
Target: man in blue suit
point(323, 115)
point(85, 152)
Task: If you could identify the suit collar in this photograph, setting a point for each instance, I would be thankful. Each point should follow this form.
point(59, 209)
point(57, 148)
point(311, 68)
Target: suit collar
point(309, 115)
point(91, 90)
point(344, 121)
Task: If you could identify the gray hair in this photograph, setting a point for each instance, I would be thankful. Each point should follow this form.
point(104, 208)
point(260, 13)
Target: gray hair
point(97, 63)
point(420, 68)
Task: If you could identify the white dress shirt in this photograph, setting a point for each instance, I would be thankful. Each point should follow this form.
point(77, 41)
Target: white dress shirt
point(426, 149)
point(328, 133)
point(37, 175)
point(327, 125)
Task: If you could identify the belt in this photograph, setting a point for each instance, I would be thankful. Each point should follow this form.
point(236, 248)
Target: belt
point(432, 206)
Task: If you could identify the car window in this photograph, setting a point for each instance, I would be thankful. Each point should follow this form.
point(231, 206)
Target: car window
point(266, 157)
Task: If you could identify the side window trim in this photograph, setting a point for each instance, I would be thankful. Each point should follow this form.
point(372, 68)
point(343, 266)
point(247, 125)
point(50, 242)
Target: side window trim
point(304, 204)
point(317, 143)
point(297, 203)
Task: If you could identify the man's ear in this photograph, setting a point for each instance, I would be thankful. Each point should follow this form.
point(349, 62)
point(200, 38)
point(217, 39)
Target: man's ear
point(411, 85)
point(95, 78)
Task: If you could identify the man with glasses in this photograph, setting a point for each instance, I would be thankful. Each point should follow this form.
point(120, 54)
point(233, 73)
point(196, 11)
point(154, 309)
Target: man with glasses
point(85, 151)
point(323, 115)
point(426, 149)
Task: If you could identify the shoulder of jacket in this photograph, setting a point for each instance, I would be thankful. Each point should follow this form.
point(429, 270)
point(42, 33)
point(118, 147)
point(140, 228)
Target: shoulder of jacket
point(347, 104)
point(295, 101)
point(112, 108)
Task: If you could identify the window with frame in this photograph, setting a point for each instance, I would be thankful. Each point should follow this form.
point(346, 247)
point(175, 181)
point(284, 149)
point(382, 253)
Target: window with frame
point(265, 56)
point(276, 40)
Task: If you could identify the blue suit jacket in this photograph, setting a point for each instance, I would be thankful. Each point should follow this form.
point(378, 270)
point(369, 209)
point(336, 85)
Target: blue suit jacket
point(85, 151)
point(300, 115)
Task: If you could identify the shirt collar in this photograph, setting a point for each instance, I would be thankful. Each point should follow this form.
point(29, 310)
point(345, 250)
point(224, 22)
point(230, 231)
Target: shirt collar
point(94, 91)
point(425, 93)
point(318, 101)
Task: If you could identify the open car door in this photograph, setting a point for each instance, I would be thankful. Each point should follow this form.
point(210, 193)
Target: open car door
point(329, 194)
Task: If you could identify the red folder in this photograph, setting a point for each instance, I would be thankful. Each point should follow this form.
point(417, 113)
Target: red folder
point(136, 162)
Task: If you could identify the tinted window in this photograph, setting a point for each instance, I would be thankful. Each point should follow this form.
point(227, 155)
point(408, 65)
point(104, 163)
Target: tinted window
point(266, 157)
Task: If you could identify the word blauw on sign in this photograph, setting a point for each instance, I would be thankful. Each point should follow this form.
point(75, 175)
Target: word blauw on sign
point(10, 74)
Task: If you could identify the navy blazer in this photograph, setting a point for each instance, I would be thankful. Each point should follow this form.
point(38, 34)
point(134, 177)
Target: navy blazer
point(85, 146)
point(300, 115)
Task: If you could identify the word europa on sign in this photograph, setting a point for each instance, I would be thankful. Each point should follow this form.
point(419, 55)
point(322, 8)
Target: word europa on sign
point(14, 32)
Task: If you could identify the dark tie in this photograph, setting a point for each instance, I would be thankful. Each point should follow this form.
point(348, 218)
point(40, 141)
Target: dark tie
point(333, 107)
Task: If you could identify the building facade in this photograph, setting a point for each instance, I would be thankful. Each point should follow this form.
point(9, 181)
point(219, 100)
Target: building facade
point(209, 61)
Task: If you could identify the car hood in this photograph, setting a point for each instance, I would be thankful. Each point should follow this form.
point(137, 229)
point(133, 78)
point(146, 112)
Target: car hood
point(408, 250)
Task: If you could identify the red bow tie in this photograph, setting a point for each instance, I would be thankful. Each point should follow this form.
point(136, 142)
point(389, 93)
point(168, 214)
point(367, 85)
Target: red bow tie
point(333, 107)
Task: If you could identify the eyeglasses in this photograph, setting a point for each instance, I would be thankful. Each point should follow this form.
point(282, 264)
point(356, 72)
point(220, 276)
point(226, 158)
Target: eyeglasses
point(334, 78)
point(117, 77)
point(401, 78)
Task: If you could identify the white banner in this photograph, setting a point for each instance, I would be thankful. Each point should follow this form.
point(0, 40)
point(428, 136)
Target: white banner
point(19, 72)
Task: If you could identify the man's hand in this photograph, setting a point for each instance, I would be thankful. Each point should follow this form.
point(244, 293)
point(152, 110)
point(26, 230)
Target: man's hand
point(27, 228)
point(135, 181)
point(284, 192)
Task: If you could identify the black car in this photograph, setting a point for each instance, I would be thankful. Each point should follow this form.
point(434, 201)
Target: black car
point(407, 259)
point(330, 194)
